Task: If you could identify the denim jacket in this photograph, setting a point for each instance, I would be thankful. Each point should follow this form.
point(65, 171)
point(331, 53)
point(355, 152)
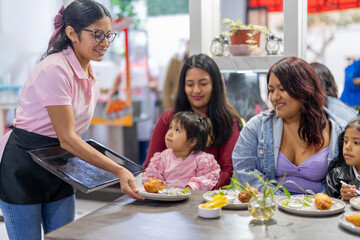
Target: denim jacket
point(340, 109)
point(258, 145)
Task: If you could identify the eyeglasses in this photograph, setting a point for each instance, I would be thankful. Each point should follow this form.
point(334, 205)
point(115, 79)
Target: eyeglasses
point(100, 35)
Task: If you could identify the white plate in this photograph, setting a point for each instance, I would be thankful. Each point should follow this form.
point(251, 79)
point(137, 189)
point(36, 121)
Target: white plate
point(348, 225)
point(337, 207)
point(355, 202)
point(163, 196)
point(234, 205)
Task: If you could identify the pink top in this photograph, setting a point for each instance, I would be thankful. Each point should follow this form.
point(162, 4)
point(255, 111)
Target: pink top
point(200, 170)
point(222, 153)
point(57, 80)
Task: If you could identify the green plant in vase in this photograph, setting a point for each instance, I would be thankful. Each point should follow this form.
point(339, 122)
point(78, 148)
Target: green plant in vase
point(262, 206)
point(241, 33)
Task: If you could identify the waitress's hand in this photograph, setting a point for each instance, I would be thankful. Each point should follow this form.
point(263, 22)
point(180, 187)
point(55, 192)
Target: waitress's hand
point(347, 191)
point(127, 183)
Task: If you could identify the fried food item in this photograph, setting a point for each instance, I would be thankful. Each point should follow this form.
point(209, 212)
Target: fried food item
point(354, 219)
point(153, 185)
point(322, 201)
point(245, 197)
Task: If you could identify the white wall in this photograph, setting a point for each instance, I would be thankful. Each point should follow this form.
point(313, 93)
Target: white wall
point(166, 37)
point(24, 33)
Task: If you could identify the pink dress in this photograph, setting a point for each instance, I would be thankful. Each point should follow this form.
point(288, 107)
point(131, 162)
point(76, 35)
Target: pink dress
point(199, 170)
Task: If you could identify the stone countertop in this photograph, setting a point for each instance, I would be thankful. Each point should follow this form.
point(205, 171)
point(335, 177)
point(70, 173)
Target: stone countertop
point(126, 218)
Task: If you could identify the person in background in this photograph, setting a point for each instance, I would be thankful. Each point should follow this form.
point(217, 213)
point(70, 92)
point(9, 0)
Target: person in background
point(297, 137)
point(335, 106)
point(202, 90)
point(144, 128)
point(351, 92)
point(346, 166)
point(172, 78)
point(148, 71)
point(56, 106)
point(184, 164)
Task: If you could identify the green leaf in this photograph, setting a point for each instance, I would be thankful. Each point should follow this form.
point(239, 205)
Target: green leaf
point(287, 193)
point(292, 182)
point(258, 176)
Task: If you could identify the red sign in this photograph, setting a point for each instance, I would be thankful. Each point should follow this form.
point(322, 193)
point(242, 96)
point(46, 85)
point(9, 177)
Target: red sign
point(314, 6)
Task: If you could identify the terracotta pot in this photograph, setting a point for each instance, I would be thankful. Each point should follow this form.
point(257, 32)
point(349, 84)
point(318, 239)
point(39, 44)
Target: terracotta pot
point(241, 36)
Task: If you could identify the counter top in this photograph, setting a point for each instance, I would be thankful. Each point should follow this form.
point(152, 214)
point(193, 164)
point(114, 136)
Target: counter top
point(126, 218)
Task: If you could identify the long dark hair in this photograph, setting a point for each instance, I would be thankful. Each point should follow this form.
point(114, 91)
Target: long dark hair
point(220, 110)
point(300, 81)
point(196, 127)
point(78, 14)
point(339, 161)
point(326, 79)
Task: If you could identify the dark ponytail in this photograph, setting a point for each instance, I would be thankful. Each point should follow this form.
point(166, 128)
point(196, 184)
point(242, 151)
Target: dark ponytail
point(78, 14)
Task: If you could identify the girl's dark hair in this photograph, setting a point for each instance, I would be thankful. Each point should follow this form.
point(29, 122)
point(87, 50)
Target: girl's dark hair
point(221, 112)
point(326, 79)
point(196, 127)
point(339, 161)
point(78, 14)
point(300, 81)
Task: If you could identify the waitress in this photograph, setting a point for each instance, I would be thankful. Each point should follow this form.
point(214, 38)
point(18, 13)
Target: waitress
point(56, 106)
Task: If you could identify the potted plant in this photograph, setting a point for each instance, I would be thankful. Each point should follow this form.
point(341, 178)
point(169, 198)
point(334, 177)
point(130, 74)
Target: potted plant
point(242, 34)
point(262, 206)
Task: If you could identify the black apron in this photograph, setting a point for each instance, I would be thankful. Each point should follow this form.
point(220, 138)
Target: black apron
point(23, 181)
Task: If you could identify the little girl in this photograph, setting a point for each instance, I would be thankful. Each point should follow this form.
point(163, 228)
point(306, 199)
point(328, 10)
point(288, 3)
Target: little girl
point(346, 166)
point(184, 163)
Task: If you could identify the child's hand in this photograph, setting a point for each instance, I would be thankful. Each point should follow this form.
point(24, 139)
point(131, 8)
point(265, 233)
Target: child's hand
point(347, 191)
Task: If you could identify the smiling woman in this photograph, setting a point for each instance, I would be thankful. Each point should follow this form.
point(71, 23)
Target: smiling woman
point(56, 105)
point(201, 90)
point(298, 137)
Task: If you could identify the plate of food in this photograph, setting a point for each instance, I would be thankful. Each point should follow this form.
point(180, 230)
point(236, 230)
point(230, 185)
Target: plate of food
point(355, 202)
point(350, 221)
point(311, 205)
point(154, 190)
point(232, 198)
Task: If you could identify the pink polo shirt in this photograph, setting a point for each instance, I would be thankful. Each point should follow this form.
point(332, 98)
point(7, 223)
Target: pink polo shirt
point(56, 80)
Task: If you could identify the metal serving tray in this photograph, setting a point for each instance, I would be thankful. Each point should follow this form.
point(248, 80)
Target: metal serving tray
point(78, 173)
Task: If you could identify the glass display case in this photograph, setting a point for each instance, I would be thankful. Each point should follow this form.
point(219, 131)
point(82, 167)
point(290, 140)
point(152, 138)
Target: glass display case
point(247, 92)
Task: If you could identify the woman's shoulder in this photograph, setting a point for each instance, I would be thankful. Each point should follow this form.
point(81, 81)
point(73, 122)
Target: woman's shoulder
point(51, 66)
point(54, 59)
point(55, 62)
point(337, 123)
point(166, 116)
point(261, 117)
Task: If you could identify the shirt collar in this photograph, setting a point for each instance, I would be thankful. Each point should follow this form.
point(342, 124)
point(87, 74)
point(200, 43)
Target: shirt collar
point(75, 64)
point(357, 175)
